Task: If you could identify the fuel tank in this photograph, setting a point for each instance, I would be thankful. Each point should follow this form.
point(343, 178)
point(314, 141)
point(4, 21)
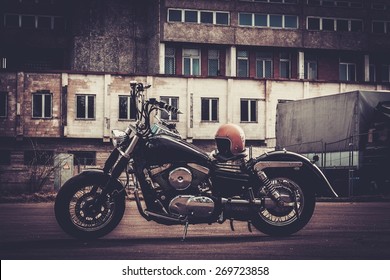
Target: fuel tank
point(162, 149)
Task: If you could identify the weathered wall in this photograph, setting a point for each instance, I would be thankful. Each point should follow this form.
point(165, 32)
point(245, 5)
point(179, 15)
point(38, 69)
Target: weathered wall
point(114, 36)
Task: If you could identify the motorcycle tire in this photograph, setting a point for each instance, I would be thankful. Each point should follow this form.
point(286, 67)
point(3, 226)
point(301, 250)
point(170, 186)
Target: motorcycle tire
point(74, 209)
point(277, 220)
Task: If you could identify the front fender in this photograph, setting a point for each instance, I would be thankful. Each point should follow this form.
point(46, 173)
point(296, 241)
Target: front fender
point(99, 176)
point(323, 187)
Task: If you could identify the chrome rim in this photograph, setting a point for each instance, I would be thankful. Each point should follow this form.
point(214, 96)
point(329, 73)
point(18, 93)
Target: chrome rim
point(85, 215)
point(290, 193)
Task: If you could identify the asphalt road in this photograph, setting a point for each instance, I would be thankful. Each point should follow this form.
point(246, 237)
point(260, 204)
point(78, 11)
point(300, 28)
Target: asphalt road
point(339, 230)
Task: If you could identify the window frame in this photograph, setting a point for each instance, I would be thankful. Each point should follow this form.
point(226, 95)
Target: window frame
point(348, 66)
point(87, 161)
point(263, 58)
point(210, 112)
point(285, 61)
point(212, 58)
point(243, 59)
point(4, 107)
point(86, 117)
point(130, 108)
point(191, 59)
point(309, 60)
point(43, 95)
point(385, 70)
point(352, 24)
point(216, 20)
point(249, 108)
point(173, 58)
point(256, 21)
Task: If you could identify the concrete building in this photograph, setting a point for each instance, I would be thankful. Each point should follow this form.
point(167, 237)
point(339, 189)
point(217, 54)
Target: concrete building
point(66, 67)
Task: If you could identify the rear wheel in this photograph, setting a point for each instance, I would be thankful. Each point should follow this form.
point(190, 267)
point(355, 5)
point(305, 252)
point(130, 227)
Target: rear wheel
point(78, 214)
point(296, 210)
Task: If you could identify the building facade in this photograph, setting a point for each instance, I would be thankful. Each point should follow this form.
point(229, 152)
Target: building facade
point(66, 67)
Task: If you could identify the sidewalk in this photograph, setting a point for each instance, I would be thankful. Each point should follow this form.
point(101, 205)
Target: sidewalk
point(361, 198)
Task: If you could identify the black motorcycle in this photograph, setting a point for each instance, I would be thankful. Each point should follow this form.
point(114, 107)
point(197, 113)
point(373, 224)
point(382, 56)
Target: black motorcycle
point(176, 183)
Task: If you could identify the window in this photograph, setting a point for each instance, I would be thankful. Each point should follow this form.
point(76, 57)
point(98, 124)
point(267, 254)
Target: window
point(222, 18)
point(11, 20)
point(5, 157)
point(3, 104)
point(372, 73)
point(276, 21)
point(291, 22)
point(28, 21)
point(313, 24)
point(342, 25)
point(44, 22)
point(378, 27)
point(213, 63)
point(3, 63)
point(38, 157)
point(285, 67)
point(248, 110)
point(263, 65)
point(206, 17)
point(83, 158)
point(386, 73)
point(85, 106)
point(332, 24)
point(356, 26)
point(209, 109)
point(245, 19)
point(59, 23)
point(172, 101)
point(347, 71)
point(169, 61)
point(127, 110)
point(261, 20)
point(310, 67)
point(191, 62)
point(42, 104)
point(271, 21)
point(275, 1)
point(174, 15)
point(191, 16)
point(242, 64)
point(196, 16)
point(328, 24)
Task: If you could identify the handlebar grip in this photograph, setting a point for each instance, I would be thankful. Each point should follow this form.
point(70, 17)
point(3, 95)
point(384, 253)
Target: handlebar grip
point(164, 105)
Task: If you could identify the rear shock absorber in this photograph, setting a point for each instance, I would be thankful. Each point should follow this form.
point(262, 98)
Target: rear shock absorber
point(270, 188)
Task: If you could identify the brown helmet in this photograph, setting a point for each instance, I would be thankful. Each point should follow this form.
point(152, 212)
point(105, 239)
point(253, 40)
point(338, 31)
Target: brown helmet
point(230, 140)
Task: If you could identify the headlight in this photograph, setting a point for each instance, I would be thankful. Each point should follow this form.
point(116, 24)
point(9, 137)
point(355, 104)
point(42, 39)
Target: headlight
point(119, 137)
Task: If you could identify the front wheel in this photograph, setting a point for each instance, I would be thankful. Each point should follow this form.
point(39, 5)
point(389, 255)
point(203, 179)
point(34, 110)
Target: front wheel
point(78, 214)
point(298, 205)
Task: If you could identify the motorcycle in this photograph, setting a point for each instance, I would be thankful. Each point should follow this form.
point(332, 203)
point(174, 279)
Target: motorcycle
point(176, 183)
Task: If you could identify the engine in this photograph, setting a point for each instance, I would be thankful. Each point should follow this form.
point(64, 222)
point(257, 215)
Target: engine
point(180, 178)
point(182, 189)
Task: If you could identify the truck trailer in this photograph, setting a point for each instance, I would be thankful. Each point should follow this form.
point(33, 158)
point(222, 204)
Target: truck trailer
point(347, 135)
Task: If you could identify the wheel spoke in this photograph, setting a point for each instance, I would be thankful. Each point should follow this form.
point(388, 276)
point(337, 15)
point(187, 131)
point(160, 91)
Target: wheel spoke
point(290, 211)
point(84, 214)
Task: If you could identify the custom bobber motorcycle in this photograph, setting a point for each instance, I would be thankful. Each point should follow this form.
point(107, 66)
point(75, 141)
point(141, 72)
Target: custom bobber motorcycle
point(181, 185)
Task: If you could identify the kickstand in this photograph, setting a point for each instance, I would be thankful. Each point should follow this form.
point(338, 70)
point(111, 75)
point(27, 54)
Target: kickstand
point(231, 224)
point(185, 231)
point(249, 226)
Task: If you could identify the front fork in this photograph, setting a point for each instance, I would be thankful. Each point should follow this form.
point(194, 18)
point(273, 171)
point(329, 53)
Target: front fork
point(119, 160)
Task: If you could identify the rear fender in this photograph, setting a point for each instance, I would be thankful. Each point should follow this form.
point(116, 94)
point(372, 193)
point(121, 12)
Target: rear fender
point(310, 170)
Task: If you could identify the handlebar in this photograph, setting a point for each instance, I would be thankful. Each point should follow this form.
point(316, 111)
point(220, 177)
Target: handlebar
point(144, 108)
point(163, 105)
